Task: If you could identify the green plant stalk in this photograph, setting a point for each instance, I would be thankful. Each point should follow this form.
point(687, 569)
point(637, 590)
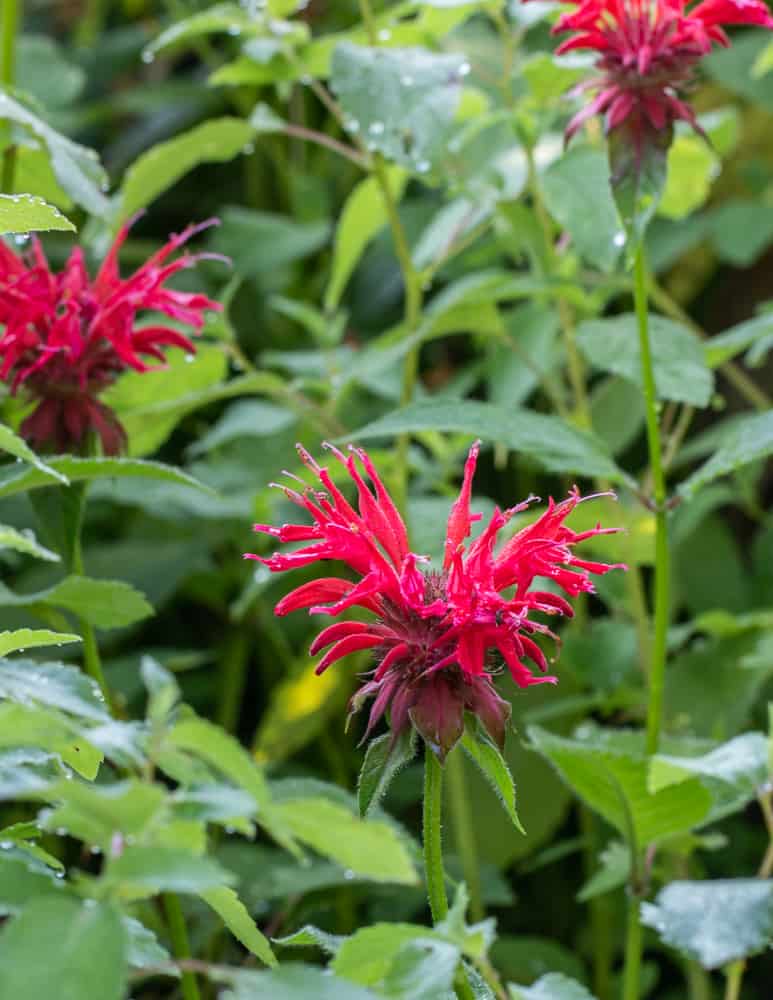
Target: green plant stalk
point(10, 15)
point(92, 662)
point(657, 666)
point(600, 917)
point(433, 836)
point(181, 948)
point(633, 950)
point(464, 831)
point(233, 674)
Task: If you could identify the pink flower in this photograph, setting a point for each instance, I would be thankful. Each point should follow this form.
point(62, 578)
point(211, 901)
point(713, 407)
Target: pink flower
point(66, 338)
point(647, 50)
point(435, 635)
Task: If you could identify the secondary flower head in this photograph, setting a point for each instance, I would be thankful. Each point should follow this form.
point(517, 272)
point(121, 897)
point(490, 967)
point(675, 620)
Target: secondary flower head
point(67, 337)
point(647, 50)
point(436, 635)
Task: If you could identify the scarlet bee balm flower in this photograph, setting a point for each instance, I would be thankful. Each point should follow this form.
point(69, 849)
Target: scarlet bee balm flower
point(647, 50)
point(66, 338)
point(435, 635)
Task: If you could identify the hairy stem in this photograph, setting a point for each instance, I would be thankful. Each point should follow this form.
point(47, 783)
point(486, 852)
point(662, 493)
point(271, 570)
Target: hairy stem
point(233, 673)
point(92, 662)
point(633, 951)
point(10, 15)
point(181, 948)
point(433, 836)
point(464, 831)
point(662, 569)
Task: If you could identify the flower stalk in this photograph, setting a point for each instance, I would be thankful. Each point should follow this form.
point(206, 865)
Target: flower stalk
point(10, 15)
point(181, 948)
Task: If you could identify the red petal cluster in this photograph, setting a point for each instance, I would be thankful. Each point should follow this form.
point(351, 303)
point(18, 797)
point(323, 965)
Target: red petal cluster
point(66, 338)
point(647, 50)
point(432, 633)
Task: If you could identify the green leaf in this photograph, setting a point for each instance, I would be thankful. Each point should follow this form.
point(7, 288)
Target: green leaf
point(741, 229)
point(362, 217)
point(26, 213)
point(259, 243)
point(22, 638)
point(384, 759)
point(738, 338)
point(365, 847)
point(714, 921)
point(638, 177)
point(25, 542)
point(75, 470)
point(547, 440)
point(485, 753)
point(366, 956)
point(95, 813)
point(146, 871)
point(554, 986)
point(56, 685)
point(14, 445)
point(21, 726)
point(76, 168)
point(401, 101)
point(144, 947)
point(578, 196)
point(474, 940)
point(614, 872)
point(291, 982)
point(744, 441)
point(423, 969)
point(45, 72)
point(23, 879)
point(234, 915)
point(85, 947)
point(609, 771)
point(310, 936)
point(215, 141)
point(692, 167)
point(681, 371)
point(26, 770)
point(104, 603)
point(219, 18)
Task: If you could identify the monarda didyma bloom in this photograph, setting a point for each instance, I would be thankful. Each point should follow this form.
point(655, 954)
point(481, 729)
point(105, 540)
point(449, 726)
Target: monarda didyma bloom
point(436, 635)
point(66, 338)
point(647, 51)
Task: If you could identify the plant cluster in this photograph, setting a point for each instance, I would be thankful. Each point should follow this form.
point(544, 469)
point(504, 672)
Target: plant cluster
point(530, 274)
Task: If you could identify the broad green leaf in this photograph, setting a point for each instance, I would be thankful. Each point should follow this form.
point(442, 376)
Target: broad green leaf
point(578, 196)
point(547, 440)
point(612, 779)
point(692, 168)
point(66, 948)
point(252, 418)
point(764, 62)
point(367, 956)
point(22, 879)
point(366, 847)
point(715, 921)
point(25, 542)
point(24, 638)
point(362, 217)
point(162, 687)
point(614, 872)
point(44, 71)
point(741, 229)
point(310, 936)
point(14, 445)
point(144, 947)
point(259, 243)
point(384, 759)
point(26, 213)
point(738, 338)
point(486, 755)
point(524, 958)
point(220, 18)
point(554, 986)
point(22, 726)
point(104, 603)
point(77, 169)
point(75, 470)
point(401, 101)
point(549, 77)
point(215, 141)
point(56, 685)
point(146, 871)
point(681, 371)
point(291, 982)
point(423, 969)
point(95, 813)
point(26, 770)
point(745, 440)
point(234, 915)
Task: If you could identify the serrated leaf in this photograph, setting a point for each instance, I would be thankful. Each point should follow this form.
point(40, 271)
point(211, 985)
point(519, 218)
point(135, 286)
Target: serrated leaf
point(145, 949)
point(95, 813)
point(26, 770)
point(367, 956)
point(56, 685)
point(25, 542)
point(234, 915)
point(104, 603)
point(384, 759)
point(24, 638)
point(291, 982)
point(22, 879)
point(362, 216)
point(26, 213)
point(23, 726)
point(85, 947)
point(681, 370)
point(714, 921)
point(146, 871)
point(76, 470)
point(547, 440)
point(424, 969)
point(486, 755)
point(746, 440)
point(554, 986)
point(15, 446)
point(310, 936)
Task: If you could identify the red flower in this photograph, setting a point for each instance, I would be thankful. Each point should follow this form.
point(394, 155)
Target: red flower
point(431, 632)
point(67, 338)
point(647, 50)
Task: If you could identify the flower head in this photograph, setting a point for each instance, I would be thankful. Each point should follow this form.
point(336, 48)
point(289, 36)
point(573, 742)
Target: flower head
point(436, 635)
point(66, 337)
point(647, 50)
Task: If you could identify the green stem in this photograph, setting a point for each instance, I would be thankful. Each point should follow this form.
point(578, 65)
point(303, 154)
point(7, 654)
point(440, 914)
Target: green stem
point(92, 663)
point(233, 674)
point(464, 831)
point(433, 836)
point(181, 948)
point(657, 667)
point(599, 906)
point(633, 951)
point(698, 982)
point(734, 978)
point(10, 15)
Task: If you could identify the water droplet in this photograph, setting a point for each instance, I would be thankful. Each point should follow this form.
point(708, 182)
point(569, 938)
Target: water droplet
point(189, 358)
point(349, 875)
point(249, 148)
point(423, 166)
point(59, 875)
point(352, 125)
point(305, 79)
point(619, 239)
point(6, 845)
point(376, 128)
point(384, 35)
point(148, 56)
point(61, 831)
point(406, 80)
point(465, 69)
point(234, 30)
